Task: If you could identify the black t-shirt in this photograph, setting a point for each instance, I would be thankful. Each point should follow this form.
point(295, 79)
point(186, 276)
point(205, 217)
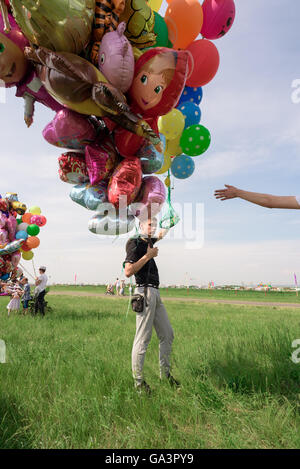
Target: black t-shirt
point(137, 248)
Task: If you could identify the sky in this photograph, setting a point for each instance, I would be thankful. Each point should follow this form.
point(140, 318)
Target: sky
point(253, 113)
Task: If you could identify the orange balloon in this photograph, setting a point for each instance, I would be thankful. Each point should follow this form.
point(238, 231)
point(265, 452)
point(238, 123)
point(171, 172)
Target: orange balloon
point(33, 242)
point(184, 19)
point(27, 217)
point(206, 61)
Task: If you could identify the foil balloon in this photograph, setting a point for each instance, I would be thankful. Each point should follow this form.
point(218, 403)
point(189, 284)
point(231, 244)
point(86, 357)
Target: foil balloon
point(139, 19)
point(89, 196)
point(111, 223)
point(11, 247)
point(70, 130)
point(125, 182)
point(81, 87)
point(116, 59)
point(72, 168)
point(152, 196)
point(151, 159)
point(100, 161)
point(59, 25)
point(107, 15)
point(218, 18)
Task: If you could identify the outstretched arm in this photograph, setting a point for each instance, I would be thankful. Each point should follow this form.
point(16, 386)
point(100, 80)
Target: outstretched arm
point(264, 200)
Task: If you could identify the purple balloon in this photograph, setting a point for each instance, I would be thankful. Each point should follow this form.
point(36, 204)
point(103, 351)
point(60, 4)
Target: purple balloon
point(70, 130)
point(152, 196)
point(116, 59)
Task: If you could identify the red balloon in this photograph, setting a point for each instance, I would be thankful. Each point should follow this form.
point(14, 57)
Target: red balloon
point(43, 220)
point(205, 62)
point(25, 247)
point(125, 181)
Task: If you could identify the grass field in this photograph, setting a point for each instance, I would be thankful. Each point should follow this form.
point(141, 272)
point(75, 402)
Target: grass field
point(270, 296)
point(67, 381)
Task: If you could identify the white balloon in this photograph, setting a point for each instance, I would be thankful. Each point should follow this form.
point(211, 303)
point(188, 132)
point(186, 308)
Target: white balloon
point(22, 227)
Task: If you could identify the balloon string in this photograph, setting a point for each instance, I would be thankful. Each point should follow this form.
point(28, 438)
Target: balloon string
point(26, 271)
point(33, 268)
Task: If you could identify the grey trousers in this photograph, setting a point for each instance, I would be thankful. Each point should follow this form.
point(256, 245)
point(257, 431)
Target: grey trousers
point(154, 314)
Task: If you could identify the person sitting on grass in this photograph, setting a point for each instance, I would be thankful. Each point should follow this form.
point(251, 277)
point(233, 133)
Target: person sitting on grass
point(264, 200)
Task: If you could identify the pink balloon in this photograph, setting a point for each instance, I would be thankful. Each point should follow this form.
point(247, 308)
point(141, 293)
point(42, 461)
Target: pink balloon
point(219, 16)
point(116, 59)
point(11, 225)
point(100, 162)
point(3, 236)
point(15, 259)
point(36, 220)
point(152, 196)
point(70, 130)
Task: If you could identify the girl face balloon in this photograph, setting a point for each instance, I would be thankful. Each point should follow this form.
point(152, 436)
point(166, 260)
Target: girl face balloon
point(13, 64)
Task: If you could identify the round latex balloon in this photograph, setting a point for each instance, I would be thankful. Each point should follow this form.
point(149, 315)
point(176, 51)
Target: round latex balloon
point(21, 235)
point(26, 218)
point(195, 140)
point(205, 63)
point(191, 94)
point(4, 277)
point(27, 256)
point(33, 242)
point(36, 220)
point(43, 221)
point(191, 112)
point(33, 230)
point(166, 165)
point(22, 226)
point(161, 31)
point(173, 147)
point(184, 19)
point(25, 247)
point(218, 17)
point(155, 4)
point(182, 167)
point(35, 210)
point(172, 124)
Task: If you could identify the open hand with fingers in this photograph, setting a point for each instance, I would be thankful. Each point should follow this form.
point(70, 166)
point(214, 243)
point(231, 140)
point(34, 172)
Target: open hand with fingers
point(225, 194)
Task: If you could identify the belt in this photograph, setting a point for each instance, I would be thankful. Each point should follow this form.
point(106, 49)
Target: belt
point(143, 285)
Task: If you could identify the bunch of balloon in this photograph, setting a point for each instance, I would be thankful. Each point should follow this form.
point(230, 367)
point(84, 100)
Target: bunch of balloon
point(29, 226)
point(186, 20)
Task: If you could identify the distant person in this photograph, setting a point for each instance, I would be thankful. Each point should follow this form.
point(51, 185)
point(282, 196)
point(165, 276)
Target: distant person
point(26, 295)
point(140, 262)
point(117, 285)
point(264, 200)
point(122, 288)
point(14, 304)
point(40, 291)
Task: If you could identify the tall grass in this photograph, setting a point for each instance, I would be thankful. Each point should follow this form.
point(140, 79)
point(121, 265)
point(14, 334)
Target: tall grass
point(67, 381)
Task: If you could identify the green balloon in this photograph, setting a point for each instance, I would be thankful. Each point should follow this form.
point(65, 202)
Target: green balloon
point(195, 140)
point(161, 30)
point(33, 230)
point(19, 220)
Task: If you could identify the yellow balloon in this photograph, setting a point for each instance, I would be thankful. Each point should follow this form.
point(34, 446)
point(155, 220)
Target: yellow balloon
point(173, 147)
point(27, 255)
point(35, 210)
point(155, 4)
point(166, 165)
point(172, 124)
point(168, 181)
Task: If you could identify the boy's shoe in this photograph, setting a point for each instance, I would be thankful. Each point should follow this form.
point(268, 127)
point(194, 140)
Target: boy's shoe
point(143, 387)
point(172, 381)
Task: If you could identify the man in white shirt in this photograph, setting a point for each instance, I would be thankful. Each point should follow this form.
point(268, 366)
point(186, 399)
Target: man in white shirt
point(40, 291)
point(264, 200)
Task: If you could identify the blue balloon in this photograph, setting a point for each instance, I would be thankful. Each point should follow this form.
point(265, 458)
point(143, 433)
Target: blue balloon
point(4, 277)
point(151, 159)
point(191, 112)
point(193, 95)
point(21, 235)
point(88, 196)
point(182, 167)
